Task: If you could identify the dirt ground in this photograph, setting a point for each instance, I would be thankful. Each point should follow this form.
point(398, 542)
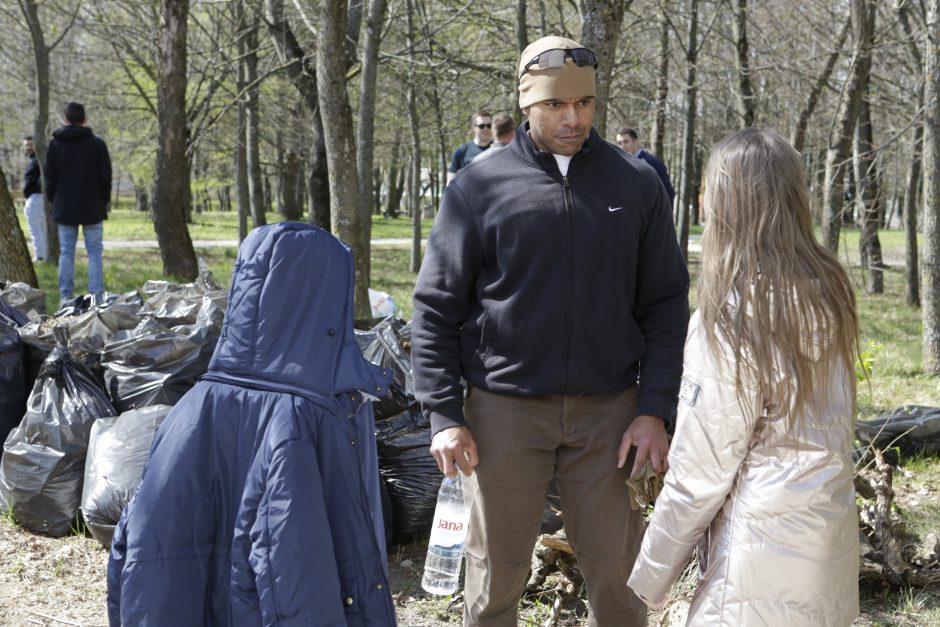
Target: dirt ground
point(47, 581)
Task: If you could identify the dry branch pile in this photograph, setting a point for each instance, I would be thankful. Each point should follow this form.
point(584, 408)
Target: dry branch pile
point(888, 553)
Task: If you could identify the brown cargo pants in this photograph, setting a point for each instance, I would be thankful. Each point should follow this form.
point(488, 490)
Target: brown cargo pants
point(522, 443)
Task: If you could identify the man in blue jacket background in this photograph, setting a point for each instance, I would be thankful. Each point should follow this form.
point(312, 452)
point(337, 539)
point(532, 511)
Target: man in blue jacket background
point(554, 286)
point(629, 140)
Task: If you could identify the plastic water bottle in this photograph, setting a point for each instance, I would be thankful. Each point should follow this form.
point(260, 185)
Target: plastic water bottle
point(445, 548)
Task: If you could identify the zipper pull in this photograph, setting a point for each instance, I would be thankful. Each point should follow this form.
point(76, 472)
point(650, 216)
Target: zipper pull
point(565, 179)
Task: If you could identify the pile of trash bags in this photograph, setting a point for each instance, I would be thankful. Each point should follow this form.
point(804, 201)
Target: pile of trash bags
point(117, 451)
point(403, 434)
point(83, 391)
point(43, 459)
point(133, 354)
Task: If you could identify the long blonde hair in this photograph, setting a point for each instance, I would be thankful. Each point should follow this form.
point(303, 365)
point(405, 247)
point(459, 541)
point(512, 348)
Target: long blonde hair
point(781, 304)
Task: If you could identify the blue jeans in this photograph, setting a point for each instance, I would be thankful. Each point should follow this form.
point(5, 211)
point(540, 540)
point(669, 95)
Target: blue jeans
point(68, 237)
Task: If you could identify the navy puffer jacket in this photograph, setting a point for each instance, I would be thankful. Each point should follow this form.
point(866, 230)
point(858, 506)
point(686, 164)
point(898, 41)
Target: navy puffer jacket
point(259, 504)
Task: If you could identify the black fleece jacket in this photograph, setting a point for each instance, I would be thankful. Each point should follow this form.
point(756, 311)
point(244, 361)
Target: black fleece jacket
point(537, 284)
point(32, 180)
point(78, 176)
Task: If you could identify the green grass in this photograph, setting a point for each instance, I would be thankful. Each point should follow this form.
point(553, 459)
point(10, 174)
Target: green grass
point(131, 225)
point(128, 269)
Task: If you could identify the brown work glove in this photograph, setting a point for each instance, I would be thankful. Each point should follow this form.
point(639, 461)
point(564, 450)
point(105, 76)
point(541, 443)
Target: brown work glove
point(646, 487)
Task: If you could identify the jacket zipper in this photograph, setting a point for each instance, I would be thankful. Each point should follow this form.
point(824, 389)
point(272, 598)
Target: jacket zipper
point(569, 304)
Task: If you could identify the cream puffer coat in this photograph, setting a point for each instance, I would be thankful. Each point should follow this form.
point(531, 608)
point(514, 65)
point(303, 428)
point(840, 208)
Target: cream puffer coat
point(773, 514)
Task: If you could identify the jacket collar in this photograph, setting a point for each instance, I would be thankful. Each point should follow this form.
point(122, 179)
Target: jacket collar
point(523, 146)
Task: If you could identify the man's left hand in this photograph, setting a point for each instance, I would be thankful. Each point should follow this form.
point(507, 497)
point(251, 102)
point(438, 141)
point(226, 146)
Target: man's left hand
point(648, 434)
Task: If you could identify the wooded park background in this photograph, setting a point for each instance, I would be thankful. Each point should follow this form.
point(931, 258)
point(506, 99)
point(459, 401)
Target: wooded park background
point(335, 111)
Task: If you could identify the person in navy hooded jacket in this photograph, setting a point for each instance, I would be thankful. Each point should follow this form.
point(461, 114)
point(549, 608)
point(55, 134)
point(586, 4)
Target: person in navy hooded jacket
point(259, 504)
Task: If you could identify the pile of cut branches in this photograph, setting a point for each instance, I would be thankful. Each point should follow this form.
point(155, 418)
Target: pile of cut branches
point(888, 554)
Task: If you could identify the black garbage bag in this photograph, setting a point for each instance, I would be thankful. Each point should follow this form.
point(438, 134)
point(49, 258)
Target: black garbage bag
point(12, 316)
point(89, 328)
point(912, 429)
point(13, 390)
point(44, 457)
point(153, 364)
point(172, 304)
point(410, 472)
point(117, 451)
point(387, 344)
point(28, 300)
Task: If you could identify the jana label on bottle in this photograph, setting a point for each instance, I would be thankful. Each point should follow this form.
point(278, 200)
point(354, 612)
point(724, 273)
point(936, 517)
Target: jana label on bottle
point(450, 526)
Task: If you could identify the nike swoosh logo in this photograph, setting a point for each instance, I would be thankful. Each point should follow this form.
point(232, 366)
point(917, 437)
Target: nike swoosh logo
point(612, 209)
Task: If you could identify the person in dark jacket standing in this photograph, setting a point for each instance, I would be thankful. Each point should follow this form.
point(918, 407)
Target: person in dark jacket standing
point(35, 208)
point(78, 185)
point(629, 140)
point(260, 502)
point(553, 283)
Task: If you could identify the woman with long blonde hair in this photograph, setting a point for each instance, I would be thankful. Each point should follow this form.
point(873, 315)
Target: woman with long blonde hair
point(760, 468)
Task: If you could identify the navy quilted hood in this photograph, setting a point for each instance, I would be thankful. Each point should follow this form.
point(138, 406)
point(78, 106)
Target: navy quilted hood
point(289, 320)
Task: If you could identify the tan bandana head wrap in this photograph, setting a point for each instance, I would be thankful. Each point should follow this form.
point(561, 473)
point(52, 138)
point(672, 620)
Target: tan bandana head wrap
point(554, 83)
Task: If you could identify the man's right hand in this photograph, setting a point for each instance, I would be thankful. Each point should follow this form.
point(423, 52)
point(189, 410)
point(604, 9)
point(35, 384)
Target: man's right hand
point(454, 448)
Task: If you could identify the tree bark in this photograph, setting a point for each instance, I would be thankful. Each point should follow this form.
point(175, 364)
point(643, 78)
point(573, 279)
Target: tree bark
point(688, 131)
point(414, 191)
point(910, 221)
point(41, 116)
point(601, 21)
point(303, 76)
point(930, 291)
point(242, 195)
point(345, 218)
point(658, 134)
point(866, 174)
point(366, 129)
point(253, 124)
point(14, 254)
point(840, 140)
point(745, 97)
point(798, 138)
point(914, 179)
point(169, 198)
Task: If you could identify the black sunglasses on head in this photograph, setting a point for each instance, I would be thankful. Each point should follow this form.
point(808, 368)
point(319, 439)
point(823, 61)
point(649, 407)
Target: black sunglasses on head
point(556, 57)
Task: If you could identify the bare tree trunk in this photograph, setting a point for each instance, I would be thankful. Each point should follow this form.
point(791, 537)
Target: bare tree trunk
point(41, 52)
point(522, 42)
point(318, 181)
point(866, 174)
point(441, 179)
point(302, 74)
point(746, 101)
point(394, 185)
point(914, 180)
point(658, 133)
point(601, 22)
point(289, 188)
point(242, 195)
point(910, 221)
point(840, 141)
point(414, 191)
point(253, 123)
point(822, 81)
point(345, 218)
point(366, 130)
point(688, 131)
point(14, 254)
point(930, 293)
point(169, 197)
